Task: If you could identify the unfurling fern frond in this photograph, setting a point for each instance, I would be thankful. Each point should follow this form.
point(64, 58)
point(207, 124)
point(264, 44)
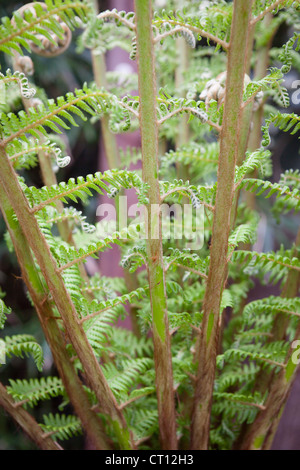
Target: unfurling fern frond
point(211, 23)
point(178, 31)
point(197, 194)
point(23, 152)
point(170, 106)
point(120, 17)
point(287, 50)
point(134, 258)
point(270, 84)
point(21, 79)
point(285, 122)
point(47, 19)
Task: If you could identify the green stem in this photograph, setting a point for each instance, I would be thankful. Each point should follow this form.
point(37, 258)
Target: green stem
point(62, 299)
point(156, 275)
point(229, 147)
point(44, 308)
point(27, 422)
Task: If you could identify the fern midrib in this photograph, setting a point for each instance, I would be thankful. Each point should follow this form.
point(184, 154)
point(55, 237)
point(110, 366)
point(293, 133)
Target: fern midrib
point(31, 150)
point(33, 391)
point(199, 31)
point(41, 205)
point(40, 121)
point(267, 10)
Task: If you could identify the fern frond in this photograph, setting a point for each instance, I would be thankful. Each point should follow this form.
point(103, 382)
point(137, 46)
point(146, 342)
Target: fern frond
point(286, 55)
point(24, 345)
point(80, 189)
point(75, 217)
point(21, 79)
point(270, 84)
point(236, 375)
point(290, 178)
point(130, 156)
point(59, 113)
point(271, 305)
point(260, 159)
point(275, 265)
point(123, 381)
point(4, 310)
point(211, 23)
point(262, 7)
point(99, 329)
point(23, 152)
point(260, 187)
point(169, 106)
point(61, 426)
point(285, 122)
point(242, 408)
point(19, 31)
point(144, 423)
point(190, 261)
point(197, 194)
point(130, 297)
point(244, 233)
point(71, 256)
point(238, 354)
point(200, 158)
point(123, 342)
point(30, 392)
